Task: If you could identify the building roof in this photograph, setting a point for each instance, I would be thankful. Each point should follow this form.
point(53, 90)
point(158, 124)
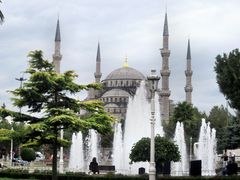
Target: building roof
point(116, 93)
point(125, 73)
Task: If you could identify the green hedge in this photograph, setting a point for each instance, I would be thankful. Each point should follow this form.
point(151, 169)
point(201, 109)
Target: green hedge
point(18, 174)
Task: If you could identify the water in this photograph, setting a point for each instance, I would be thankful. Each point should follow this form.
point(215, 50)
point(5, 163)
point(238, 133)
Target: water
point(76, 160)
point(118, 148)
point(180, 168)
point(207, 149)
point(80, 156)
point(137, 125)
point(91, 149)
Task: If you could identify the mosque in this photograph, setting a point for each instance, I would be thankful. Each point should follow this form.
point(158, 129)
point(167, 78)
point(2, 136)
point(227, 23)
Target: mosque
point(122, 83)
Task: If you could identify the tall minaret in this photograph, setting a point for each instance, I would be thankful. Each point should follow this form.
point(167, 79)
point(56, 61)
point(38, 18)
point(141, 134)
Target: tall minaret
point(165, 73)
point(98, 73)
point(188, 73)
point(56, 62)
point(57, 55)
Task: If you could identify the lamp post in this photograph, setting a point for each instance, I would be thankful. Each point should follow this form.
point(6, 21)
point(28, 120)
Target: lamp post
point(21, 80)
point(61, 162)
point(153, 82)
point(11, 150)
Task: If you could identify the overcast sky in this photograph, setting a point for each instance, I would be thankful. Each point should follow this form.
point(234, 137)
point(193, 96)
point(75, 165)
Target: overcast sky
point(123, 27)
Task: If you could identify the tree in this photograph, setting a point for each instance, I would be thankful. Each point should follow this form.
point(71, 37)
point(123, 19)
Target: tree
point(1, 15)
point(49, 98)
point(165, 151)
point(189, 116)
point(219, 118)
point(228, 77)
point(233, 134)
point(9, 131)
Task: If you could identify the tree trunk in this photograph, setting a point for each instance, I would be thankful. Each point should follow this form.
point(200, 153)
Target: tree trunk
point(54, 160)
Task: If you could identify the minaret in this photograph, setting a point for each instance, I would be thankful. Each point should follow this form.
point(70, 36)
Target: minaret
point(165, 73)
point(56, 62)
point(57, 55)
point(98, 73)
point(188, 73)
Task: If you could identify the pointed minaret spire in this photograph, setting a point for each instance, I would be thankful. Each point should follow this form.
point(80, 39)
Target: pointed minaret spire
point(165, 28)
point(57, 54)
point(165, 73)
point(58, 36)
point(98, 53)
point(188, 88)
point(188, 50)
point(98, 73)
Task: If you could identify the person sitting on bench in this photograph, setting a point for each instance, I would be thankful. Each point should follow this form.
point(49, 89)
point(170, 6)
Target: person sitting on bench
point(94, 166)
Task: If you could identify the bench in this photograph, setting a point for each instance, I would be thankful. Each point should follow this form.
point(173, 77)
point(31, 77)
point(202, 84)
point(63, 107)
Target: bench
point(106, 168)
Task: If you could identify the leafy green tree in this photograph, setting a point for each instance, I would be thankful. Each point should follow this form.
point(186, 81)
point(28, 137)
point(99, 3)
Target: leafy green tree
point(219, 117)
point(233, 134)
point(49, 97)
point(228, 77)
point(9, 131)
point(165, 151)
point(189, 116)
point(1, 15)
point(28, 154)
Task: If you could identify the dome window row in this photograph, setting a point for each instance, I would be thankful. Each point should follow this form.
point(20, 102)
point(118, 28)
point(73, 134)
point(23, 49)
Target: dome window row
point(114, 99)
point(122, 83)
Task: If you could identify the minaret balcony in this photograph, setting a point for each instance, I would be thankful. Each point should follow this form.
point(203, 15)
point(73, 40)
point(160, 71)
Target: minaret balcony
point(165, 52)
point(188, 73)
point(188, 88)
point(165, 93)
point(165, 72)
point(98, 75)
point(57, 57)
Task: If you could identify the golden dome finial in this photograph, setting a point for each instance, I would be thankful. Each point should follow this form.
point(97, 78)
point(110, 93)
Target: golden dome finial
point(125, 62)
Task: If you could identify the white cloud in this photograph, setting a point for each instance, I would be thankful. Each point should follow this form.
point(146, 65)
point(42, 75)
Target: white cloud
point(123, 27)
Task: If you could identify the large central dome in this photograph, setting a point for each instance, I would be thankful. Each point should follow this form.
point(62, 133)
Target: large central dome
point(125, 73)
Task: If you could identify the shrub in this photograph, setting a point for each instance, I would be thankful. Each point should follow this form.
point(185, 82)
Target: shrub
point(28, 154)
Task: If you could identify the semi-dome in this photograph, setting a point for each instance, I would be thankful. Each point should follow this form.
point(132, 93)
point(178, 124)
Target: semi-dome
point(116, 92)
point(125, 73)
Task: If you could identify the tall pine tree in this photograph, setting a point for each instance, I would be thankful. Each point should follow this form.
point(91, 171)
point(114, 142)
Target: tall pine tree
point(51, 106)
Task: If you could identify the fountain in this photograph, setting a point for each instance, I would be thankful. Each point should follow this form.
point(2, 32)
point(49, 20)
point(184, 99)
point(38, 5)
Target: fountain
point(206, 151)
point(76, 160)
point(91, 147)
point(118, 152)
point(137, 125)
point(180, 168)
